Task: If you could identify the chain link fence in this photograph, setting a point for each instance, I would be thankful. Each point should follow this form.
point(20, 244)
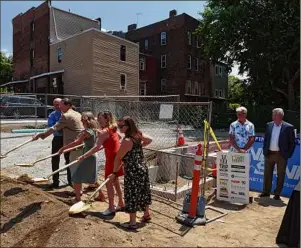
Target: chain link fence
point(170, 167)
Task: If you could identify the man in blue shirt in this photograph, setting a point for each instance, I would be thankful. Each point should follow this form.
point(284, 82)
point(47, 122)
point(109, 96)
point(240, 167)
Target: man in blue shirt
point(57, 143)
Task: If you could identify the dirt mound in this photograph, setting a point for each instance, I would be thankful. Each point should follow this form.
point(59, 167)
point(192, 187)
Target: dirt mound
point(32, 217)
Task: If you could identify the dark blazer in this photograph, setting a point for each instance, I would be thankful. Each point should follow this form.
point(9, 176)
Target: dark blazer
point(286, 143)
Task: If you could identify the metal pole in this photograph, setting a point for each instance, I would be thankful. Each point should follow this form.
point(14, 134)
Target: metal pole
point(176, 181)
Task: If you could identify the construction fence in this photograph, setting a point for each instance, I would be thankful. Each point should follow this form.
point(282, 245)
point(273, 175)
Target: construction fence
point(170, 167)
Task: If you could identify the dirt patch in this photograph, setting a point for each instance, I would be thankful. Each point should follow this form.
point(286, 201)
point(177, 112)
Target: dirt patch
point(33, 217)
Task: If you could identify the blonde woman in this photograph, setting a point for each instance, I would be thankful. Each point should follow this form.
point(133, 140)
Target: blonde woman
point(85, 171)
point(108, 138)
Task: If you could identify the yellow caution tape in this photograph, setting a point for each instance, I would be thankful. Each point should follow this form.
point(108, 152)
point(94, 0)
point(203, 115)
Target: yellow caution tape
point(207, 126)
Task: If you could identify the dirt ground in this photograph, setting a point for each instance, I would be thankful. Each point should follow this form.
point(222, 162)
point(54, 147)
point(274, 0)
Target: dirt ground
point(32, 217)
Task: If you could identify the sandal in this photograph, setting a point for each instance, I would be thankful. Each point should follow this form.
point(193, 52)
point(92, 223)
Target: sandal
point(129, 225)
point(119, 209)
point(146, 218)
point(72, 193)
point(108, 212)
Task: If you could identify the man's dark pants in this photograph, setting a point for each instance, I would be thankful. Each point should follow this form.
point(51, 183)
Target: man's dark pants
point(270, 161)
point(57, 143)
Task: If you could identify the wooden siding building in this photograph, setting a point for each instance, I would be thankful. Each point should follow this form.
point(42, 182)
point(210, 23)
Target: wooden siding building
point(96, 63)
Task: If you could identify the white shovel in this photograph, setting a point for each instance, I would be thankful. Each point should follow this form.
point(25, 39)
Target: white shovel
point(15, 148)
point(42, 159)
point(84, 205)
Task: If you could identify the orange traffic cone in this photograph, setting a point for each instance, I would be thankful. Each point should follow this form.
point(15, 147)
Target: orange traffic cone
point(181, 139)
point(214, 172)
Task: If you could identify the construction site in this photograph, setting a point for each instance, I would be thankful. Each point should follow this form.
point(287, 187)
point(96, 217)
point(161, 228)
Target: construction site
point(34, 216)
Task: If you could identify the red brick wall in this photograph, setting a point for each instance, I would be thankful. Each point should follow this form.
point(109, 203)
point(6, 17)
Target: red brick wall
point(22, 42)
point(149, 74)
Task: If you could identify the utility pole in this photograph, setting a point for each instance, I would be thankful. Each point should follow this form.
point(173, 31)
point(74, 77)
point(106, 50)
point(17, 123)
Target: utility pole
point(138, 14)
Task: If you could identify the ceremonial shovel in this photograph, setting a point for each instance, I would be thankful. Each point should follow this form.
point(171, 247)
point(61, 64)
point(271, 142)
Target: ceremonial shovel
point(84, 205)
point(15, 148)
point(52, 155)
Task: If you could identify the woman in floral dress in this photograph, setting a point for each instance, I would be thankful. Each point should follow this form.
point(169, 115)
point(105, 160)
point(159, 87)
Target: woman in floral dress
point(137, 192)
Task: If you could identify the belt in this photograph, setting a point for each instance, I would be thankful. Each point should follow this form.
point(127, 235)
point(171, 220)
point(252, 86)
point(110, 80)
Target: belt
point(274, 152)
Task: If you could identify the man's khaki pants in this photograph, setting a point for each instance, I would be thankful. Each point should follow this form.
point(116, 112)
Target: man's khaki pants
point(269, 163)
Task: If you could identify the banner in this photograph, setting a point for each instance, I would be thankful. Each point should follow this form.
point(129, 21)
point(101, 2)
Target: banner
point(232, 177)
point(257, 168)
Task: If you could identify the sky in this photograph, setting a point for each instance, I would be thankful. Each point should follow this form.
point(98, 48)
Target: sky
point(115, 15)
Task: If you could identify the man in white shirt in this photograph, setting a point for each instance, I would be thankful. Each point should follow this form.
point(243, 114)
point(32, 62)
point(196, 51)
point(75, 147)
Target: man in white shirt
point(278, 147)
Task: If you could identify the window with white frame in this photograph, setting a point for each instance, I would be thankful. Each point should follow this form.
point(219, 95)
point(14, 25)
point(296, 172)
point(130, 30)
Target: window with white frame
point(163, 85)
point(196, 38)
point(59, 55)
point(216, 70)
point(189, 37)
point(216, 93)
point(196, 64)
point(143, 89)
point(220, 70)
point(189, 62)
point(146, 44)
point(221, 93)
point(142, 64)
point(122, 82)
point(123, 53)
point(163, 38)
point(196, 88)
point(163, 61)
point(188, 87)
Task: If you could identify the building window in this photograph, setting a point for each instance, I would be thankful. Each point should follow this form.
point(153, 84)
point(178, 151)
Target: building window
point(142, 64)
point(221, 71)
point(221, 93)
point(196, 64)
point(196, 38)
point(189, 61)
point(188, 87)
point(216, 70)
point(189, 37)
point(31, 56)
point(122, 82)
point(123, 53)
point(59, 55)
point(216, 93)
point(163, 38)
point(163, 61)
point(196, 88)
point(31, 30)
point(146, 44)
point(163, 85)
point(143, 89)
point(202, 89)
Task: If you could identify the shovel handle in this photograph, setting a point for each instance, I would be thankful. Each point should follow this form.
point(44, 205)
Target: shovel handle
point(63, 168)
point(18, 146)
point(99, 188)
point(55, 154)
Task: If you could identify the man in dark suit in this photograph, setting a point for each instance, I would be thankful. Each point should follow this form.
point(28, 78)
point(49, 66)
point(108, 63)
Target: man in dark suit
point(279, 146)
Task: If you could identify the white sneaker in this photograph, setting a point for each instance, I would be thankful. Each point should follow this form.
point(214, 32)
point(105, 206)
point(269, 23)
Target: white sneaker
point(108, 212)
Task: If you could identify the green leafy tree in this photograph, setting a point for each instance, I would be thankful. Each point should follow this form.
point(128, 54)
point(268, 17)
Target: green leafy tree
point(263, 37)
point(6, 68)
point(236, 91)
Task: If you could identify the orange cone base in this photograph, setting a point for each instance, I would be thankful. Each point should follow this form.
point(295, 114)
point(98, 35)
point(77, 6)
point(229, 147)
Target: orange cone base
point(181, 141)
point(186, 220)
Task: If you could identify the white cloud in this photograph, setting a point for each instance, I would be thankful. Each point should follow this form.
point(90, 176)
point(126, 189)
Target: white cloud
point(103, 30)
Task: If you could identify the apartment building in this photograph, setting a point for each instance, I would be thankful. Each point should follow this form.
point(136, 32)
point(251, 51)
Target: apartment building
point(181, 68)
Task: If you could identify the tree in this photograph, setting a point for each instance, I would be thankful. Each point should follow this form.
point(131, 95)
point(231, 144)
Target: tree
point(6, 68)
point(263, 37)
point(236, 91)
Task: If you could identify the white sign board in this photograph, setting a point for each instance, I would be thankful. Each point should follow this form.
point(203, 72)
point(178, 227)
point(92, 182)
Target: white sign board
point(233, 177)
point(166, 111)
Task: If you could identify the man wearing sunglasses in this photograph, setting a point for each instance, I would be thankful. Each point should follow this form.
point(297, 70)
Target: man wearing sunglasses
point(242, 132)
point(57, 141)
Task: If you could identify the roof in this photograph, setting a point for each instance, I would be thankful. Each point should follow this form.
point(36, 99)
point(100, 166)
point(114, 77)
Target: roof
point(14, 82)
point(96, 30)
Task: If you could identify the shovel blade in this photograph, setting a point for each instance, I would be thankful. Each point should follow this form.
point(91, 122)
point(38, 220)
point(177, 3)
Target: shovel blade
point(2, 156)
point(40, 180)
point(24, 165)
point(79, 207)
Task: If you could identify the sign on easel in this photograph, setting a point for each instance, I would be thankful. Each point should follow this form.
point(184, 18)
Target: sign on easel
point(233, 177)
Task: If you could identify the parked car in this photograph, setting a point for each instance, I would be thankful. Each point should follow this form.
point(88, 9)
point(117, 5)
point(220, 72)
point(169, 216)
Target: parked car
point(23, 106)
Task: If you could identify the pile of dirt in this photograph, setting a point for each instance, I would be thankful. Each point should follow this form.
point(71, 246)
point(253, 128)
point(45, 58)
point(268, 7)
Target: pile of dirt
point(33, 217)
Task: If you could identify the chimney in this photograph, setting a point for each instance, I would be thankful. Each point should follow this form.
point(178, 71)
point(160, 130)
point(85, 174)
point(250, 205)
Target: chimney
point(132, 27)
point(172, 13)
point(99, 22)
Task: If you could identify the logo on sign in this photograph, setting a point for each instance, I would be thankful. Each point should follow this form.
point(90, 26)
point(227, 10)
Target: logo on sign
point(238, 167)
point(233, 176)
point(235, 181)
point(223, 159)
point(241, 193)
point(237, 159)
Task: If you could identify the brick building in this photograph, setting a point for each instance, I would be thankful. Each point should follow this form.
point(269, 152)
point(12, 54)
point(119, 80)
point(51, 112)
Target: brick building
point(147, 74)
point(33, 33)
point(180, 66)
